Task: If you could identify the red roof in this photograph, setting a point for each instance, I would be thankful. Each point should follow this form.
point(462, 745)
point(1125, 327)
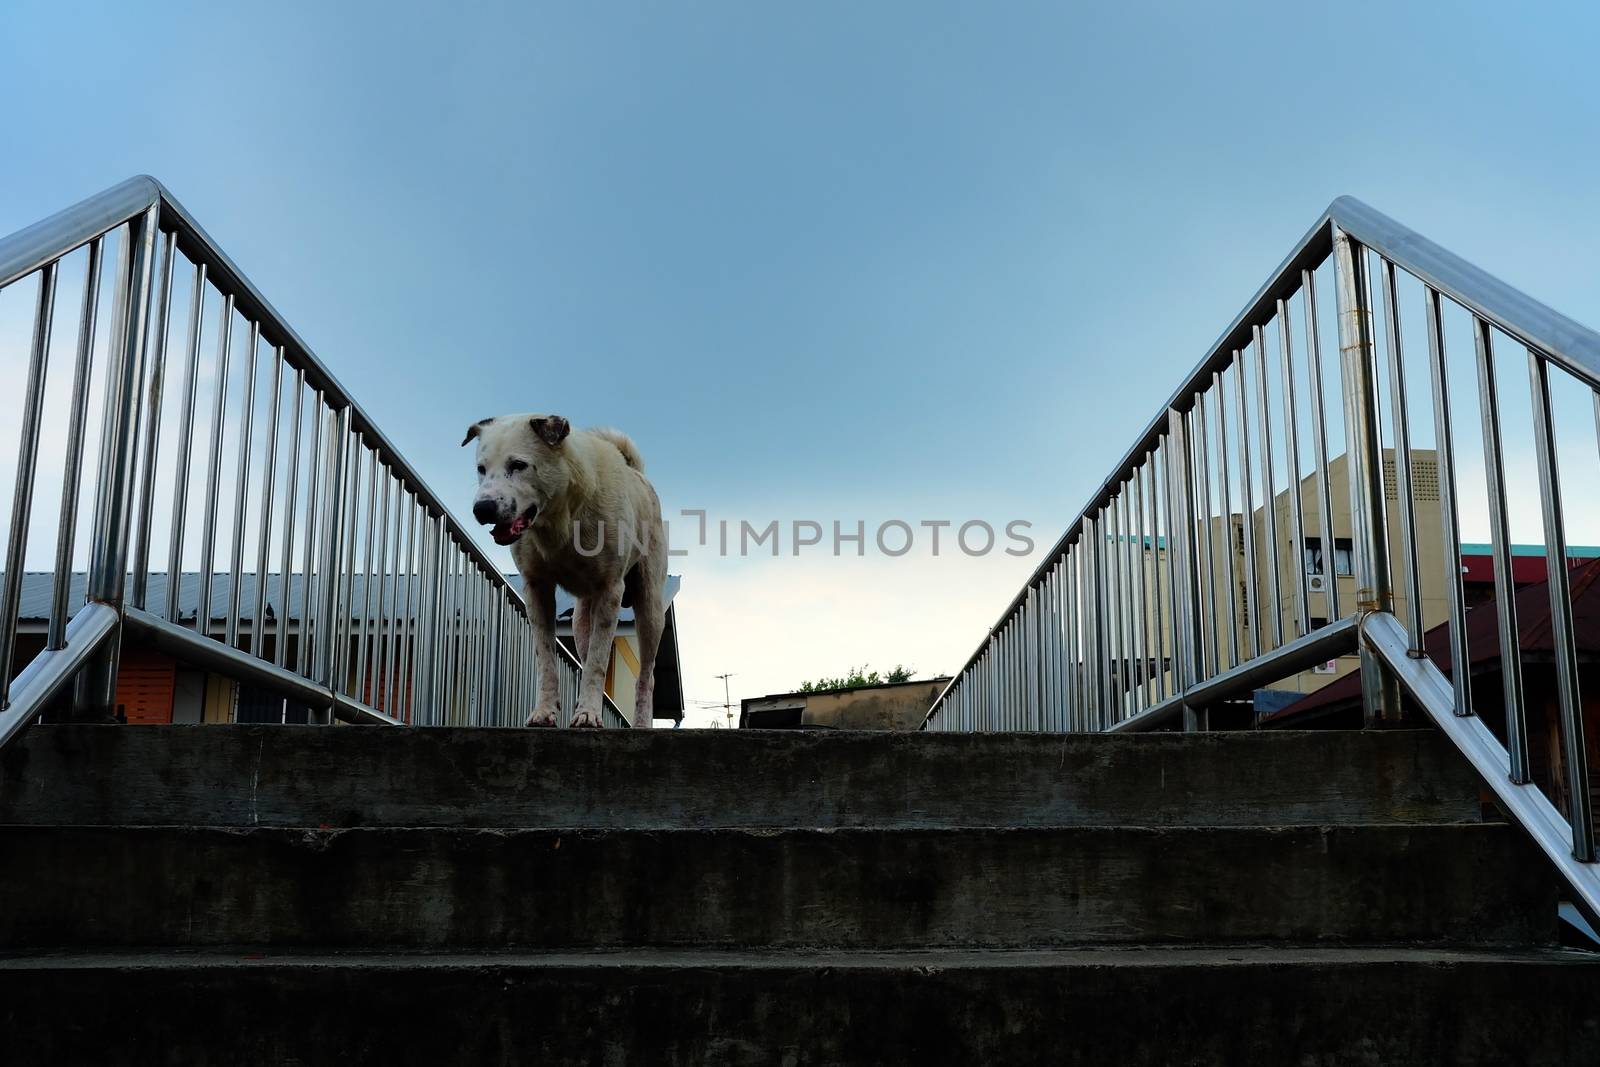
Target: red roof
point(1534, 635)
point(1479, 569)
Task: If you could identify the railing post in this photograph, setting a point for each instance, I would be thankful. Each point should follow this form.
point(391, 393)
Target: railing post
point(95, 693)
point(1186, 620)
point(428, 616)
point(332, 517)
point(1380, 694)
point(1094, 688)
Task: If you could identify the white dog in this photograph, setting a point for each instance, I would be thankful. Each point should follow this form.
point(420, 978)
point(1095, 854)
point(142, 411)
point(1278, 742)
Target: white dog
point(577, 512)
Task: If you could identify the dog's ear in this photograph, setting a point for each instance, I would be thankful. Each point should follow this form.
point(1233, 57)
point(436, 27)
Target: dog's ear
point(552, 429)
point(474, 430)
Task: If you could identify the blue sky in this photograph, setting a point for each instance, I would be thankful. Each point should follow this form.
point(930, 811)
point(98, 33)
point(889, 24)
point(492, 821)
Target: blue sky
point(819, 260)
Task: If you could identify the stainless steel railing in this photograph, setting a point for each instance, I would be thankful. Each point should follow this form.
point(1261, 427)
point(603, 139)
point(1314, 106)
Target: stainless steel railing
point(399, 618)
point(1135, 620)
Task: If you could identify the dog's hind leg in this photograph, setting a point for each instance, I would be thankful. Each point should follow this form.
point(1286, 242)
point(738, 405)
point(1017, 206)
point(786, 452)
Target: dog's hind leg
point(649, 619)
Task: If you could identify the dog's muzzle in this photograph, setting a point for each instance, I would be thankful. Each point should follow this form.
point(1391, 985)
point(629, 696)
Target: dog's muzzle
point(504, 532)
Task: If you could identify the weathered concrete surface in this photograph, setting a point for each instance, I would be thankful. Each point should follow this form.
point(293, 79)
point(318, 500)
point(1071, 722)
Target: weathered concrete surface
point(1328, 1007)
point(95, 886)
point(314, 776)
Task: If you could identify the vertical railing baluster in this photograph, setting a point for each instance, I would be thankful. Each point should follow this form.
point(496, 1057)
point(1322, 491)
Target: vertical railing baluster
point(27, 462)
point(96, 687)
point(1141, 609)
point(208, 515)
point(1500, 544)
point(117, 344)
point(241, 488)
point(1269, 490)
point(1449, 516)
point(434, 620)
point(1030, 673)
point(1130, 692)
point(142, 531)
point(1158, 549)
point(1116, 608)
point(480, 634)
point(1291, 438)
point(1364, 458)
point(1104, 614)
point(312, 621)
point(1252, 613)
point(180, 477)
point(1230, 615)
point(1186, 615)
point(72, 471)
point(291, 485)
point(1210, 650)
point(1319, 442)
point(368, 578)
point(498, 658)
point(1172, 517)
point(1559, 583)
point(336, 501)
point(402, 566)
point(1411, 581)
point(269, 477)
point(1089, 602)
point(347, 568)
point(1074, 654)
point(1058, 634)
point(378, 698)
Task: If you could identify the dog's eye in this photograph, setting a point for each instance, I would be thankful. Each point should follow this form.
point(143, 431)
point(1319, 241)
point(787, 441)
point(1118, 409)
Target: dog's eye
point(516, 466)
point(480, 469)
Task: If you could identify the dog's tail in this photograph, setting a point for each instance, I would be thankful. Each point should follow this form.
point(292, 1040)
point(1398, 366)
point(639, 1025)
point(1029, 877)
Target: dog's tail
point(625, 445)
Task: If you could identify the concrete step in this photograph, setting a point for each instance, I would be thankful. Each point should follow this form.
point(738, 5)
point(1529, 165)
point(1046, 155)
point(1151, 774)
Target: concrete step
point(316, 776)
point(911, 888)
point(1330, 1007)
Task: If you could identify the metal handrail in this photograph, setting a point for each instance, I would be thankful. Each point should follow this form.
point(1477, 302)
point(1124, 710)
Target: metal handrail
point(1117, 628)
point(1573, 346)
point(487, 624)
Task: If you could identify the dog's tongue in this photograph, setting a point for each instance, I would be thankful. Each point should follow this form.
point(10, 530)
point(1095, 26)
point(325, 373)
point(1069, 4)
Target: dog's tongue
point(504, 533)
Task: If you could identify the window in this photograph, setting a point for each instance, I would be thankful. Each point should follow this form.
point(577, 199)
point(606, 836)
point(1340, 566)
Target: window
point(1342, 556)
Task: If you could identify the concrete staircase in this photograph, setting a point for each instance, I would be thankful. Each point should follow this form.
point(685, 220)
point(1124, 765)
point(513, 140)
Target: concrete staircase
point(241, 895)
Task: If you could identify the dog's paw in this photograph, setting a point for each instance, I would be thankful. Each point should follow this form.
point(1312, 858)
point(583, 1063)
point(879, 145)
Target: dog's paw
point(587, 719)
point(542, 718)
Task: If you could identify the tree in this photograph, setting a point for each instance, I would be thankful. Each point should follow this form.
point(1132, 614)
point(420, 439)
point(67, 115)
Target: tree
point(859, 678)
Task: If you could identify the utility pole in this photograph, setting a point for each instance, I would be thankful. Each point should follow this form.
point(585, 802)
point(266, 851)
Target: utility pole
point(727, 701)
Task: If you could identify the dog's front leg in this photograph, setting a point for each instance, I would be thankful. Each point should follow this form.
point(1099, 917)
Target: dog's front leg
point(542, 613)
point(602, 613)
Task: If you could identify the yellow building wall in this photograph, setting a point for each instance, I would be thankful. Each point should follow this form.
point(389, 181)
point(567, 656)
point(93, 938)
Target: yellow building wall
point(1226, 605)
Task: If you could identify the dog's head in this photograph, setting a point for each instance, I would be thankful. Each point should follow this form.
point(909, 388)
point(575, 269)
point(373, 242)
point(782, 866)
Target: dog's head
point(521, 471)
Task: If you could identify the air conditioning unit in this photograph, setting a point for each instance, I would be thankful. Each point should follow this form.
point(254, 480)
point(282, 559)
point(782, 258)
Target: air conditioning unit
point(1318, 583)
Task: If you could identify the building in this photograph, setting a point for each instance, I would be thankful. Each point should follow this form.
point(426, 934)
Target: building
point(153, 687)
point(1329, 575)
point(891, 706)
